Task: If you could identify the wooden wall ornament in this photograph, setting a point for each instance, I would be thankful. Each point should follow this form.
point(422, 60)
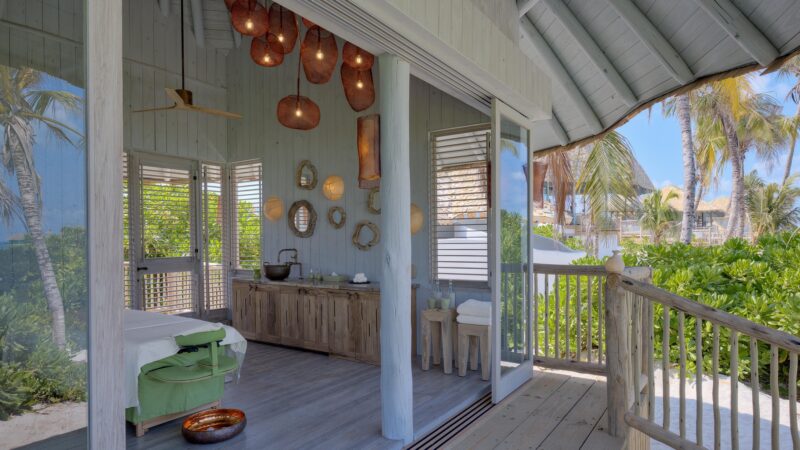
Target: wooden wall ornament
point(374, 201)
point(368, 140)
point(293, 219)
point(266, 51)
point(273, 209)
point(283, 24)
point(337, 223)
point(376, 235)
point(356, 57)
point(333, 187)
point(305, 177)
point(359, 88)
point(249, 18)
point(319, 54)
point(417, 219)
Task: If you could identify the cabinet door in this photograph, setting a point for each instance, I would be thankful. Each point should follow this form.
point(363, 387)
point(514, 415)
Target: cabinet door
point(343, 313)
point(291, 320)
point(245, 310)
point(369, 342)
point(269, 324)
point(315, 320)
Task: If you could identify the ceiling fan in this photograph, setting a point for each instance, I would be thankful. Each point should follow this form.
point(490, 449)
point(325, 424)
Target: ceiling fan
point(183, 97)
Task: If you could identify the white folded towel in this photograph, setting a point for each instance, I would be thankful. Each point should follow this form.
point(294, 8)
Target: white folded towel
point(473, 320)
point(474, 307)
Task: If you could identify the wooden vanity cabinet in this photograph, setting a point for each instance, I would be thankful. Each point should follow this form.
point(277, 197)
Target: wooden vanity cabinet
point(344, 323)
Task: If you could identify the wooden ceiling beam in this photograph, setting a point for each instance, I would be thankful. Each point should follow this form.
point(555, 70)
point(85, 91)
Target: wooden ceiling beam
point(585, 41)
point(741, 29)
point(558, 73)
point(653, 40)
point(523, 6)
point(164, 6)
point(197, 23)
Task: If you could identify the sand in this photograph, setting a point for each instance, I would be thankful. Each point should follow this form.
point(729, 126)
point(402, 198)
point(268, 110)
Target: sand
point(41, 423)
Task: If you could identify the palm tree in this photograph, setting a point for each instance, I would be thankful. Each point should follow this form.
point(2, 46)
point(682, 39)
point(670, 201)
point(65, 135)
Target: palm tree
point(772, 207)
point(605, 181)
point(23, 104)
point(733, 119)
point(657, 215)
point(792, 69)
point(680, 106)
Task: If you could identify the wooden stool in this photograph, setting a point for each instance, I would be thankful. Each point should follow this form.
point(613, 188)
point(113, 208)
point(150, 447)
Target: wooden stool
point(469, 338)
point(442, 339)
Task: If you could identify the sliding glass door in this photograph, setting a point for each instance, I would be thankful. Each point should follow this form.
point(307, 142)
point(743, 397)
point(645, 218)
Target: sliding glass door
point(512, 362)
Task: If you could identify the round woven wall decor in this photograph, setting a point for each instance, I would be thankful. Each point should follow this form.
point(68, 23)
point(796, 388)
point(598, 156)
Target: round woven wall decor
point(332, 217)
point(376, 235)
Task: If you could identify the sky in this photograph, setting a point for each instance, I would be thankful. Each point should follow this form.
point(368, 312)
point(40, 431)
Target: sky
point(656, 141)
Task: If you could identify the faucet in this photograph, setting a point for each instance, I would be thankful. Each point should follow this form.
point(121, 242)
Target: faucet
point(293, 262)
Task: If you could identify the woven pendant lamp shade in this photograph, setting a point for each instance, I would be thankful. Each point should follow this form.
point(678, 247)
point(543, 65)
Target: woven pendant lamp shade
point(283, 24)
point(358, 87)
point(250, 18)
point(356, 57)
point(319, 54)
point(369, 151)
point(266, 50)
point(298, 112)
point(308, 23)
point(229, 4)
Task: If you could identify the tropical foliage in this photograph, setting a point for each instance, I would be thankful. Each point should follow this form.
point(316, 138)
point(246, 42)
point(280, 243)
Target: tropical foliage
point(657, 215)
point(549, 231)
point(771, 207)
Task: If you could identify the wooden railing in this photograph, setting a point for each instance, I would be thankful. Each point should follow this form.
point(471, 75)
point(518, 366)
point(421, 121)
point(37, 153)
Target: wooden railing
point(635, 352)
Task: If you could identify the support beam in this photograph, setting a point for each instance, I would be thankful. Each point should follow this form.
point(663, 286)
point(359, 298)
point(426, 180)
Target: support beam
point(103, 29)
point(558, 73)
point(523, 6)
point(558, 130)
point(739, 27)
point(397, 401)
point(653, 40)
point(197, 23)
point(164, 7)
point(592, 50)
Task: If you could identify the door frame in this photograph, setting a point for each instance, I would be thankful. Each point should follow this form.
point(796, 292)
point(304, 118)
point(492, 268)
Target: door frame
point(502, 386)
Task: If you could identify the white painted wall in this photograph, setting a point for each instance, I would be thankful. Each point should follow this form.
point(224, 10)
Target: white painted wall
point(152, 61)
point(331, 147)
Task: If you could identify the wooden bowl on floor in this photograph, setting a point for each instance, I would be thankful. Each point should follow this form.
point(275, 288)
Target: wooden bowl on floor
point(213, 425)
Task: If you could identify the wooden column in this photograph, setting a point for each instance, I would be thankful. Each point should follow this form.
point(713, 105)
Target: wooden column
point(396, 385)
point(619, 366)
point(104, 185)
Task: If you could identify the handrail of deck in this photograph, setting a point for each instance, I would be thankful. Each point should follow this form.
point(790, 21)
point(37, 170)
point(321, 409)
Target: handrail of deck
point(631, 348)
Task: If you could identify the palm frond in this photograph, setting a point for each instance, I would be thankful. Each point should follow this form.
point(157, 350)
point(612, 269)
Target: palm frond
point(41, 100)
point(9, 204)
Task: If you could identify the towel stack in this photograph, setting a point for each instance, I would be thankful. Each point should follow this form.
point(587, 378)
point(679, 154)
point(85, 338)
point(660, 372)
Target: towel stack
point(474, 312)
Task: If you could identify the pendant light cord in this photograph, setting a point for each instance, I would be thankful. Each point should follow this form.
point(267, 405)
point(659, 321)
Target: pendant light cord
point(183, 60)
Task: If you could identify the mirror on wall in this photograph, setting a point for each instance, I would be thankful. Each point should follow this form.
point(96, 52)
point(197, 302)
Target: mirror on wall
point(306, 175)
point(302, 219)
point(337, 217)
point(360, 236)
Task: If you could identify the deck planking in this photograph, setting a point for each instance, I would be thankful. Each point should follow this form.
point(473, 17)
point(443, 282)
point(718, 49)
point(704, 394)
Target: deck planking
point(554, 410)
point(302, 400)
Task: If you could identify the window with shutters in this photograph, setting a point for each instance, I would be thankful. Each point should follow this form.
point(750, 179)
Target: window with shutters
point(246, 215)
point(460, 204)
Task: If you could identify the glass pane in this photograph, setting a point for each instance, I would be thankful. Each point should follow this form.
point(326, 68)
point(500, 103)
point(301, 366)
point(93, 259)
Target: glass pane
point(166, 212)
point(43, 272)
point(514, 204)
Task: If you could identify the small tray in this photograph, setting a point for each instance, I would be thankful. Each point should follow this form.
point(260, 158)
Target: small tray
point(213, 425)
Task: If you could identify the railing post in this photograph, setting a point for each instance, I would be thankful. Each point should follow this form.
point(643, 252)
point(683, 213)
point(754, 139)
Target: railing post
point(618, 355)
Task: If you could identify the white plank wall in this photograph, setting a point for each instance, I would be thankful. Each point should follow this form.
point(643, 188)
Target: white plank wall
point(152, 61)
point(255, 91)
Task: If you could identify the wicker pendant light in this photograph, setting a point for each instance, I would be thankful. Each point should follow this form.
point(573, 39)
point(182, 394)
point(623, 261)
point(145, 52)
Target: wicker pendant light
point(266, 50)
point(358, 87)
point(356, 57)
point(229, 4)
point(250, 18)
point(283, 25)
point(319, 54)
point(296, 111)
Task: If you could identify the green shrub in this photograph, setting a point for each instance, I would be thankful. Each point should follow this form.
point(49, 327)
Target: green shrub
point(14, 393)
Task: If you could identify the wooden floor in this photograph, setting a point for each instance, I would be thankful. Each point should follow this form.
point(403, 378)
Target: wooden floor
point(555, 410)
point(301, 400)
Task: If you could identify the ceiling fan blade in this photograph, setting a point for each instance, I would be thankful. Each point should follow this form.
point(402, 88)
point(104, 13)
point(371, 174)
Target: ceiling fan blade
point(215, 112)
point(163, 108)
point(173, 95)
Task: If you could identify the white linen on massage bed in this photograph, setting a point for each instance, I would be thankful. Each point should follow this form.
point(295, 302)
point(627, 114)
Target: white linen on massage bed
point(150, 336)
